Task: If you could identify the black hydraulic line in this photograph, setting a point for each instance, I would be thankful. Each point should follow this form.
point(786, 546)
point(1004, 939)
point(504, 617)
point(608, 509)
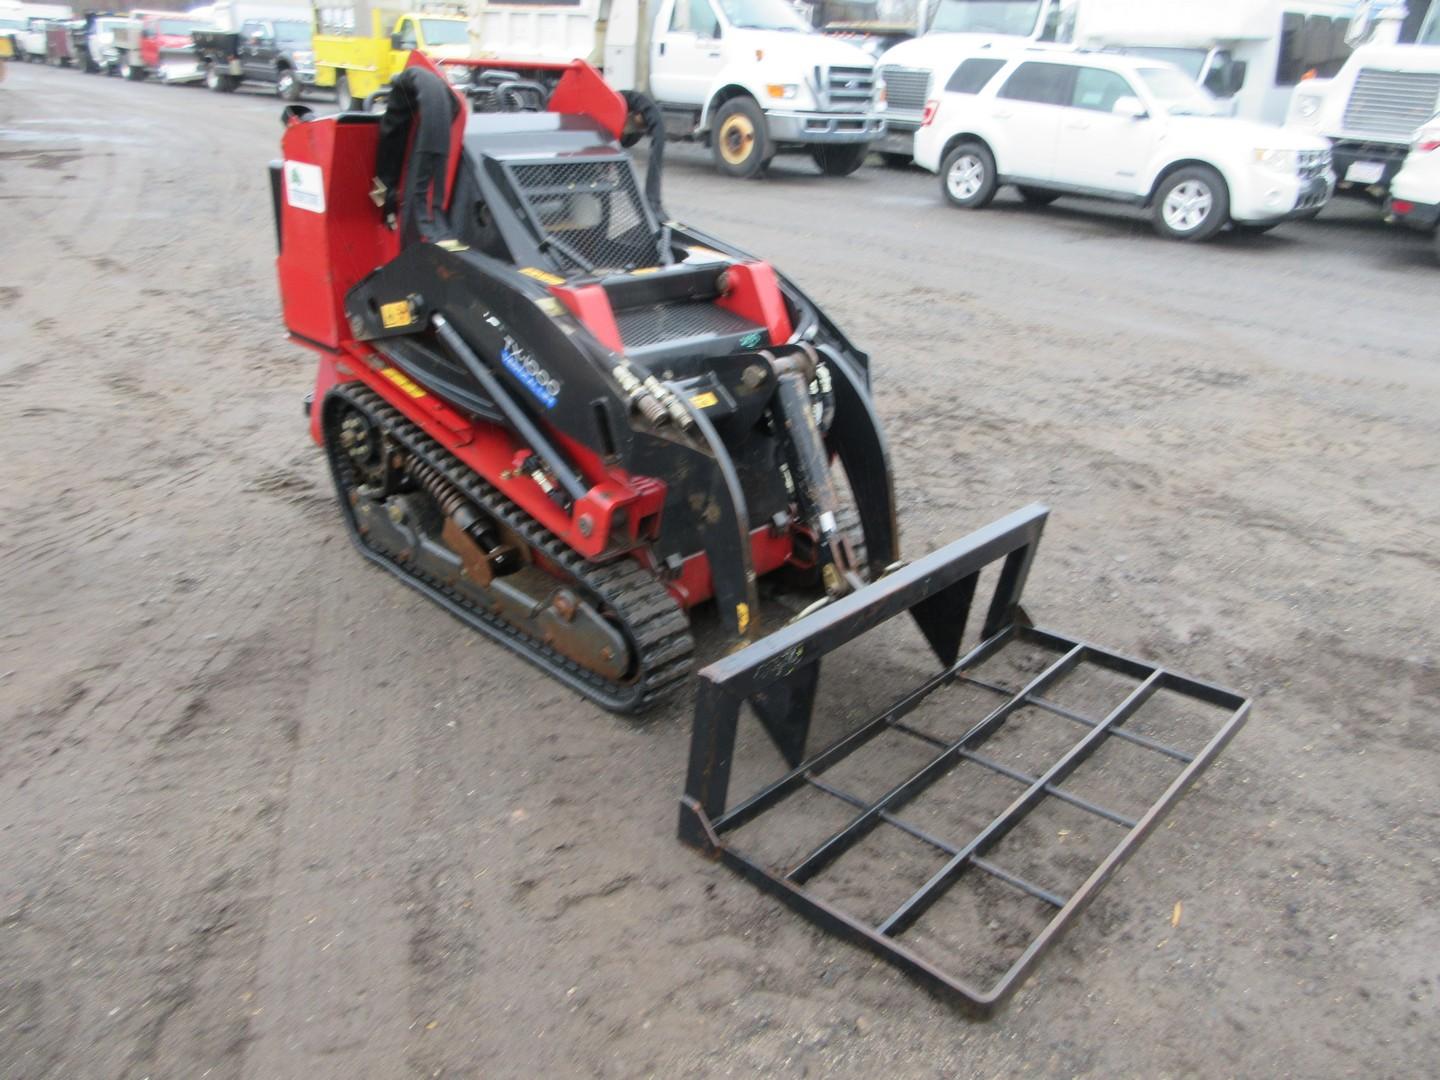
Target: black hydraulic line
point(644, 107)
point(519, 420)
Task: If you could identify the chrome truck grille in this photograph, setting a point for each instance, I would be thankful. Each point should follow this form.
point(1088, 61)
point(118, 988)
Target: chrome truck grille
point(849, 88)
point(1391, 103)
point(906, 89)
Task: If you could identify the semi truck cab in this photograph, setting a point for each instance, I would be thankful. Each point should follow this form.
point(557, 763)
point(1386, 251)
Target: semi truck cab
point(1371, 110)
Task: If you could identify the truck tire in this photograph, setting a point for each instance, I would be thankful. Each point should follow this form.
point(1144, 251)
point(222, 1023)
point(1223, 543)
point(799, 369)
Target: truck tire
point(968, 177)
point(840, 160)
point(133, 72)
point(1191, 204)
point(287, 86)
point(739, 139)
point(343, 100)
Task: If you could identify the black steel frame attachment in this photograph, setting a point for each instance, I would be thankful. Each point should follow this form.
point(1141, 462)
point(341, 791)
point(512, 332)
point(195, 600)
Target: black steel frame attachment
point(778, 676)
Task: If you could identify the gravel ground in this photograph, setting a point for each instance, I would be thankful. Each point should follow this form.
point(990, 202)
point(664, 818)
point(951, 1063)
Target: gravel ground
point(265, 813)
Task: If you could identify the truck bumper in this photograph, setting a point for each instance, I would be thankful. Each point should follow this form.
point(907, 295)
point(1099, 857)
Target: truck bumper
point(818, 127)
point(1366, 168)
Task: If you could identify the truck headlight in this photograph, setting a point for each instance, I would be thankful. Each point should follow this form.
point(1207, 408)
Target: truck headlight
point(1306, 105)
point(1279, 160)
point(456, 73)
point(783, 91)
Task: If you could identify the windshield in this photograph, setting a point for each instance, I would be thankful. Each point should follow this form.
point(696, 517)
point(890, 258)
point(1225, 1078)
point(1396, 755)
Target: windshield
point(180, 27)
point(444, 31)
point(1189, 61)
point(106, 26)
point(292, 33)
point(1016, 17)
point(763, 15)
point(1176, 93)
point(1430, 31)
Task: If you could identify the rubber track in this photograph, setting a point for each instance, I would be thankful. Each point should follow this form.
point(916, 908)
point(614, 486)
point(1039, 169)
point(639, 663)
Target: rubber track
point(651, 620)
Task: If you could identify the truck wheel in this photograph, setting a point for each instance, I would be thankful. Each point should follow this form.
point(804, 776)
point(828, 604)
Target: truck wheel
point(342, 94)
point(133, 72)
point(967, 176)
point(287, 87)
point(740, 142)
point(840, 160)
point(217, 80)
point(1191, 204)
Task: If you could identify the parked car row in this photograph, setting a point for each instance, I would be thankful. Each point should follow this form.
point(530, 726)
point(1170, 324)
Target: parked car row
point(269, 45)
point(1124, 126)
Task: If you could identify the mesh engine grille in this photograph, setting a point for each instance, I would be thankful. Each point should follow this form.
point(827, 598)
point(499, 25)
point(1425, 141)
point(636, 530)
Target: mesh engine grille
point(594, 209)
point(675, 322)
point(906, 88)
point(1391, 102)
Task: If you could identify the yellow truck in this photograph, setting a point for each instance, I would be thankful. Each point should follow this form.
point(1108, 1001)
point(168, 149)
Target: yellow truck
point(360, 48)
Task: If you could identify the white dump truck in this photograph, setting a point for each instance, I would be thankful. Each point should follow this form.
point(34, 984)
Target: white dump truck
point(751, 78)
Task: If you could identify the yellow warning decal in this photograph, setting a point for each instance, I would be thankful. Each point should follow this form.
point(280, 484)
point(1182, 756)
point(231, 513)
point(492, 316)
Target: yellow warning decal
point(542, 275)
point(703, 251)
point(404, 382)
point(704, 400)
point(452, 245)
point(646, 270)
point(550, 306)
point(742, 617)
point(396, 314)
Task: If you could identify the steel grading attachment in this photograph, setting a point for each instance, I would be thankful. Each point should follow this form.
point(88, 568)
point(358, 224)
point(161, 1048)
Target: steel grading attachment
point(992, 855)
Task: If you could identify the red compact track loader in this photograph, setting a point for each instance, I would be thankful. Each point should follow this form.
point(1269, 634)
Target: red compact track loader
point(569, 420)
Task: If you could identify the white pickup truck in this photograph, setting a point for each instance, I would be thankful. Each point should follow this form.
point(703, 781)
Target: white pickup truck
point(748, 77)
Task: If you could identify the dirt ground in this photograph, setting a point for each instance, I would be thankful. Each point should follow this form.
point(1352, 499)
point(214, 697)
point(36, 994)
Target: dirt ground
point(266, 813)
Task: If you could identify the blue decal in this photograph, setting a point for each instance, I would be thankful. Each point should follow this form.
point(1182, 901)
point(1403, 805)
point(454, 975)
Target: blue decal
point(532, 376)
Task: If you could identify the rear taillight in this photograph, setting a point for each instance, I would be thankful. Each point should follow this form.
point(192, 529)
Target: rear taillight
point(930, 107)
point(1401, 206)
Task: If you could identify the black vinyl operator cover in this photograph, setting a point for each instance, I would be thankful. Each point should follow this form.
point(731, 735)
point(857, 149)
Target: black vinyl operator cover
point(422, 105)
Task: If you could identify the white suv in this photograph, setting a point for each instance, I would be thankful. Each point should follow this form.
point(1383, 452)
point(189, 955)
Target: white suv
point(1116, 127)
point(1415, 189)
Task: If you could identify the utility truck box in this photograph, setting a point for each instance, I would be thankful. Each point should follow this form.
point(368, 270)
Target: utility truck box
point(359, 48)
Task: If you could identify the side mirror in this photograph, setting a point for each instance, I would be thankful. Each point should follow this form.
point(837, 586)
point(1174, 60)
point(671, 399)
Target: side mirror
point(396, 41)
point(1237, 76)
point(1132, 108)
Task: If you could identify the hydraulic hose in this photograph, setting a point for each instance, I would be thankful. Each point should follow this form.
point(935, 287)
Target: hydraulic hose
point(642, 106)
